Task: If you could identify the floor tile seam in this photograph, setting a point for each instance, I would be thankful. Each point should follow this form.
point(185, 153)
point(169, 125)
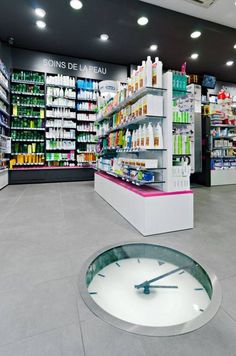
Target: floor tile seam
point(79, 321)
point(28, 337)
point(12, 205)
point(229, 315)
point(30, 286)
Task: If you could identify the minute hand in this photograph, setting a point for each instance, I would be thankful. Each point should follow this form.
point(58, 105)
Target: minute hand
point(160, 277)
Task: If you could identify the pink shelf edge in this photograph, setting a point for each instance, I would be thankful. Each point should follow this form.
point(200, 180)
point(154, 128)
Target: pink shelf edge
point(144, 191)
point(45, 168)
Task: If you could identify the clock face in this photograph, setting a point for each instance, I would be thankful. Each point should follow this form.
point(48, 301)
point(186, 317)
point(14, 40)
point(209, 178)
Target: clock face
point(151, 287)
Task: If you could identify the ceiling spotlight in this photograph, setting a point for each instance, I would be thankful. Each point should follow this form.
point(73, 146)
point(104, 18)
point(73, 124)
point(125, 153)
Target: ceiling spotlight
point(142, 21)
point(235, 46)
point(229, 63)
point(76, 4)
point(104, 37)
point(153, 47)
point(40, 12)
point(195, 34)
point(41, 24)
point(194, 56)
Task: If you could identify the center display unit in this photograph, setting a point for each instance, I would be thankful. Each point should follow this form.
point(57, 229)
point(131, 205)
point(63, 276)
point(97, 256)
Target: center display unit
point(145, 151)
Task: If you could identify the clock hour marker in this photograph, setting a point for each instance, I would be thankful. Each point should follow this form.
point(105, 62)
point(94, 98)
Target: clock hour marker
point(138, 260)
point(117, 264)
point(198, 289)
point(92, 293)
point(181, 272)
point(161, 263)
point(201, 310)
point(101, 275)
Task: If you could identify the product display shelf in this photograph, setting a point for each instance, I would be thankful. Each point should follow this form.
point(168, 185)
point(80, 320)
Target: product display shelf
point(135, 182)
point(160, 204)
point(6, 88)
point(131, 100)
point(27, 93)
point(3, 99)
point(29, 82)
point(27, 119)
point(26, 140)
point(60, 86)
point(219, 144)
point(29, 128)
point(133, 122)
point(4, 112)
point(61, 105)
point(5, 141)
point(87, 92)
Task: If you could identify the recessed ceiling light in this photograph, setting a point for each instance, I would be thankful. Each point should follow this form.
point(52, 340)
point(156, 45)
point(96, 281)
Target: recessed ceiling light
point(40, 12)
point(41, 24)
point(153, 47)
point(104, 37)
point(195, 34)
point(194, 56)
point(76, 4)
point(229, 63)
point(235, 46)
point(142, 21)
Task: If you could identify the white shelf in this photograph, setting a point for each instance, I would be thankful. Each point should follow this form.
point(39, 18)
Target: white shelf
point(132, 99)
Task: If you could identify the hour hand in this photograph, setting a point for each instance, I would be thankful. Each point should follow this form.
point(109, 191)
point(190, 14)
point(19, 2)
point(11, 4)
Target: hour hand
point(164, 287)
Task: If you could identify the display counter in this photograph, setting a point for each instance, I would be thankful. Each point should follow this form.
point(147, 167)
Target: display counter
point(149, 210)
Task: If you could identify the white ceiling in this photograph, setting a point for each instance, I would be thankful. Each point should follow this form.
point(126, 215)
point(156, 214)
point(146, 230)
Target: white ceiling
point(222, 11)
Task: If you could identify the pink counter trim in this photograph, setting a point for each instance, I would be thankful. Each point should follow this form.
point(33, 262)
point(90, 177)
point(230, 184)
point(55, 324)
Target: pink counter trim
point(144, 191)
point(43, 168)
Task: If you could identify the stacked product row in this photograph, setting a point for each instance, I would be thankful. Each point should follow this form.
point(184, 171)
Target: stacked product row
point(4, 124)
point(28, 118)
point(146, 137)
point(87, 98)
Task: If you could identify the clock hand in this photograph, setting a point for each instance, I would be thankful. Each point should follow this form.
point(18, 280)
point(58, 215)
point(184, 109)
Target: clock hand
point(164, 287)
point(146, 284)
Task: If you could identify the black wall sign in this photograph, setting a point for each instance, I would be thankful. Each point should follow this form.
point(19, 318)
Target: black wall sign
point(57, 64)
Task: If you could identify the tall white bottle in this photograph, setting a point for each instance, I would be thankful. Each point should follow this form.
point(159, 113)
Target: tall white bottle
point(157, 69)
point(149, 137)
point(148, 72)
point(158, 137)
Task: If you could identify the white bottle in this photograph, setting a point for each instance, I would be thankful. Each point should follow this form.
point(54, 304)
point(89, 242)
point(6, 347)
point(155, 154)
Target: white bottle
point(157, 69)
point(137, 74)
point(134, 138)
point(149, 137)
point(142, 75)
point(138, 137)
point(148, 72)
point(158, 137)
point(143, 136)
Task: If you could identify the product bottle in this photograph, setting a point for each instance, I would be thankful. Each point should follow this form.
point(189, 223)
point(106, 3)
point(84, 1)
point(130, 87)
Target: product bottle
point(158, 137)
point(137, 73)
point(157, 69)
point(134, 137)
point(143, 136)
point(149, 137)
point(148, 72)
point(142, 75)
point(139, 135)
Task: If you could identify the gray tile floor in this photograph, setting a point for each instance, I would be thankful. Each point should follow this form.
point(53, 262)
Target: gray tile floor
point(48, 231)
